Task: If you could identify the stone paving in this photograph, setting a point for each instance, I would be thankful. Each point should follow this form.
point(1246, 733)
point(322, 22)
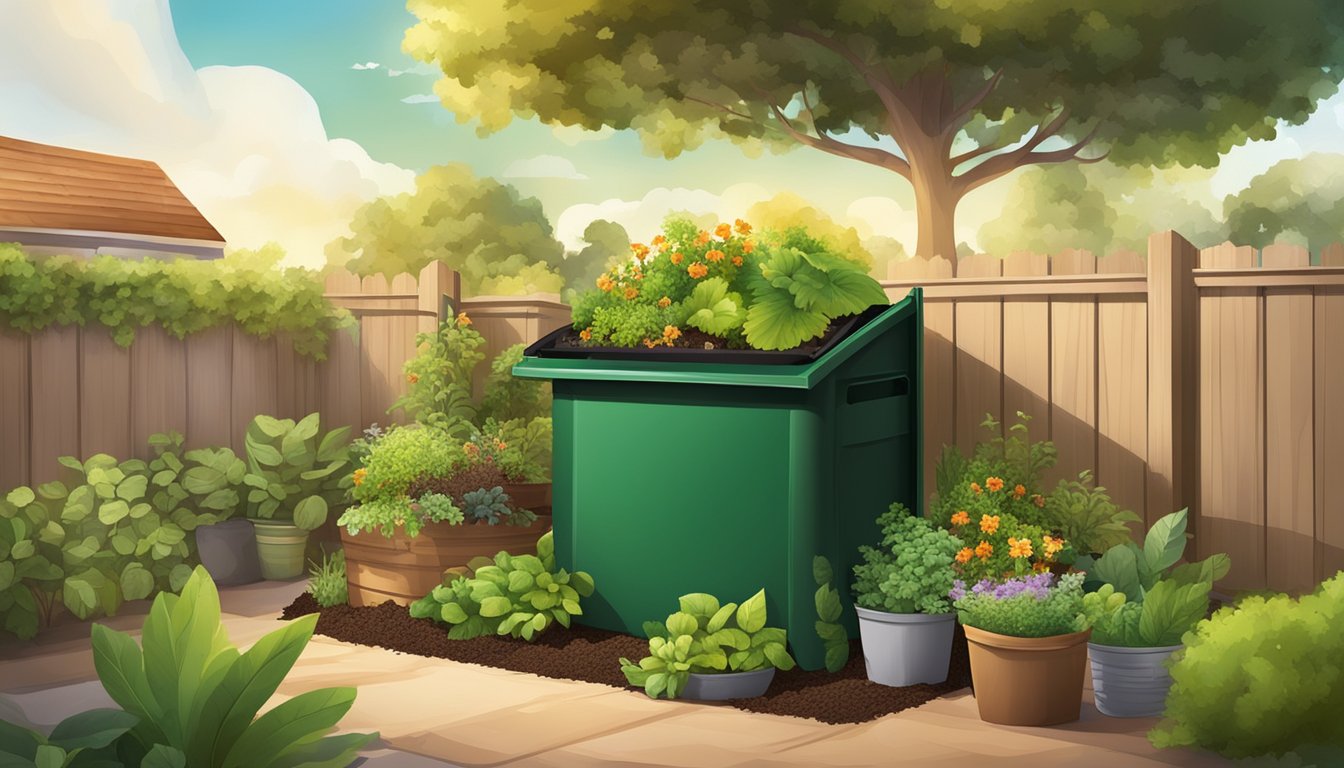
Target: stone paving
point(434, 712)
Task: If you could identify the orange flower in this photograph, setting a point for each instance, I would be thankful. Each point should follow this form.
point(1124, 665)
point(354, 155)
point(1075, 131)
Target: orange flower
point(605, 283)
point(994, 484)
point(989, 523)
point(471, 449)
point(500, 445)
point(671, 333)
point(964, 554)
point(359, 475)
point(715, 255)
point(737, 261)
point(1052, 545)
point(983, 550)
point(1039, 567)
point(650, 344)
point(961, 518)
point(586, 334)
point(462, 319)
point(1019, 547)
point(1019, 491)
point(662, 247)
point(640, 250)
point(976, 487)
point(724, 231)
point(664, 303)
point(658, 240)
point(748, 246)
point(743, 228)
point(702, 237)
point(413, 378)
point(1038, 500)
point(631, 292)
point(676, 257)
point(697, 270)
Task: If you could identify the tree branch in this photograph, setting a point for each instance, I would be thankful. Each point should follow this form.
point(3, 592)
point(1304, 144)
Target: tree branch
point(871, 155)
point(721, 107)
point(1001, 165)
point(961, 113)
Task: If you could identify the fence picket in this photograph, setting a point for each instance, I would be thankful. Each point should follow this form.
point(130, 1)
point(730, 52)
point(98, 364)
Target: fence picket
point(1073, 372)
point(1122, 390)
point(979, 358)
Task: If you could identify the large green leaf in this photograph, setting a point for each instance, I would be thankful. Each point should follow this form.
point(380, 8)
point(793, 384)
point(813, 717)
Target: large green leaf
point(334, 444)
point(270, 426)
point(1163, 546)
point(821, 570)
point(136, 581)
point(774, 322)
point(203, 480)
point(132, 488)
point(121, 669)
point(1170, 610)
point(330, 752)
point(699, 604)
point(164, 756)
point(112, 512)
point(1210, 569)
point(751, 613)
point(1119, 567)
point(310, 513)
point(839, 291)
point(18, 742)
point(21, 496)
point(93, 729)
point(714, 309)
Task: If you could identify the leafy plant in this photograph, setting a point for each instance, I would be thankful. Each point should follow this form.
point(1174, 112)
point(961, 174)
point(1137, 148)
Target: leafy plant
point(1262, 677)
point(83, 739)
point(386, 517)
point(1030, 606)
point(827, 599)
point(249, 291)
point(714, 309)
point(508, 398)
point(1003, 475)
point(1086, 517)
point(912, 571)
point(516, 595)
point(705, 637)
point(295, 473)
point(1134, 571)
point(328, 584)
point(520, 448)
point(491, 506)
point(195, 692)
point(799, 289)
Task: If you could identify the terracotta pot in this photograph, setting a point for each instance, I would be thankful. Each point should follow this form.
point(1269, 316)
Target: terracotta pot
point(531, 496)
point(1027, 680)
point(404, 569)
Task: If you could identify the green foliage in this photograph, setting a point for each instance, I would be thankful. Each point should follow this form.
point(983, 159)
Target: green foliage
point(516, 595)
point(1135, 571)
point(491, 506)
point(83, 739)
point(606, 242)
point(182, 296)
point(328, 584)
point(827, 599)
point(483, 229)
point(192, 690)
point(438, 392)
point(1010, 456)
point(912, 571)
point(798, 292)
point(705, 637)
point(1298, 200)
point(1028, 606)
point(508, 397)
point(714, 309)
point(1085, 516)
point(387, 515)
point(1261, 678)
point(295, 473)
point(526, 453)
point(401, 456)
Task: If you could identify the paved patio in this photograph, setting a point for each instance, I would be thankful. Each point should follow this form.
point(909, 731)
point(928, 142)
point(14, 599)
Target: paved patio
point(434, 712)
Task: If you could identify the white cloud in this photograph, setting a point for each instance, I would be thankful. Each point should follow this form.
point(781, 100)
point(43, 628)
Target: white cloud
point(245, 144)
point(543, 167)
point(366, 65)
point(574, 134)
point(643, 218)
point(1321, 133)
point(421, 98)
point(882, 216)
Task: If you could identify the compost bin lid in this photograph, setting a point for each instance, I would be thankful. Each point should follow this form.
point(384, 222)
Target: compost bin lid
point(802, 376)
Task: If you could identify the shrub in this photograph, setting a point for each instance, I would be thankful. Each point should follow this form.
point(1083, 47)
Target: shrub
point(328, 584)
point(1030, 606)
point(402, 456)
point(296, 473)
point(520, 448)
point(827, 598)
point(912, 570)
point(1262, 677)
point(694, 639)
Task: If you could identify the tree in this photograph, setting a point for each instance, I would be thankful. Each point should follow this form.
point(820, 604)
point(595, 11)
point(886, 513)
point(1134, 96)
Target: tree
point(786, 210)
point(606, 242)
point(966, 92)
point(479, 227)
point(1297, 201)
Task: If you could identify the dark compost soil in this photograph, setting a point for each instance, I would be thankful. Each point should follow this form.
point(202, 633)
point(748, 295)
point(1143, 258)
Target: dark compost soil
point(592, 655)
point(692, 338)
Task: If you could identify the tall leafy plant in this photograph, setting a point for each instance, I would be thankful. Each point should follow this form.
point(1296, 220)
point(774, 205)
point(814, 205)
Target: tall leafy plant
point(83, 740)
point(827, 599)
point(294, 472)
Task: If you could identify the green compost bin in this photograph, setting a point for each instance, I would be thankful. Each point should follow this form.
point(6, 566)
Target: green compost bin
point(678, 477)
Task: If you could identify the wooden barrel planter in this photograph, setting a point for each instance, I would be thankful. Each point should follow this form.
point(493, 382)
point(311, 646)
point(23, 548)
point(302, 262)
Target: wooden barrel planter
point(531, 496)
point(404, 569)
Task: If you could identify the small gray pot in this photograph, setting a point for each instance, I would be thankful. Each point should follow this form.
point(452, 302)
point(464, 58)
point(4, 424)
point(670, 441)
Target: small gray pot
point(728, 685)
point(902, 649)
point(228, 551)
point(1130, 682)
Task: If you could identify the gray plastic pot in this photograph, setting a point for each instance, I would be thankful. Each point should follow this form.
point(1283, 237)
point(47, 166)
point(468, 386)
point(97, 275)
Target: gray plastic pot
point(1130, 682)
point(728, 685)
point(902, 649)
point(228, 551)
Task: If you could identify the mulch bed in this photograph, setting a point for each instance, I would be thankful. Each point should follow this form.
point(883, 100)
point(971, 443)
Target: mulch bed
point(592, 656)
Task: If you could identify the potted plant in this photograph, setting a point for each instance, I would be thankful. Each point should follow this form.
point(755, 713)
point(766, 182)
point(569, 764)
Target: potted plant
point(711, 652)
point(901, 596)
point(295, 476)
point(211, 477)
point(1140, 614)
point(1027, 641)
point(426, 503)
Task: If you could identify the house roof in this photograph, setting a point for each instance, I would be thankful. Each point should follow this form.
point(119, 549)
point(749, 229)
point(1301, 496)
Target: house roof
point(53, 188)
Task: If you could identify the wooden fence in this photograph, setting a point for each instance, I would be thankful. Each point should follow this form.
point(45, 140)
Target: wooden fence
point(1205, 379)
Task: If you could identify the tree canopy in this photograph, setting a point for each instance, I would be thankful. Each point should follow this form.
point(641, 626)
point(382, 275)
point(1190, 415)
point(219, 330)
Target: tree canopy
point(605, 242)
point(483, 229)
point(967, 91)
point(1297, 201)
point(786, 210)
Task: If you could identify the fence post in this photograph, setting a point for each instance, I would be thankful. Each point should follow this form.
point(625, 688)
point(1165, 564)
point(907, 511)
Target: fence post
point(436, 282)
point(1173, 378)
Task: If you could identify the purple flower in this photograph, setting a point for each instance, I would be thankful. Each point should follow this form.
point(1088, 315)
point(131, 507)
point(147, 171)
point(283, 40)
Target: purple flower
point(958, 590)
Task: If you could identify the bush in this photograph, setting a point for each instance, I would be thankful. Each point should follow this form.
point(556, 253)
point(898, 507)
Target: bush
point(296, 473)
point(1031, 606)
point(1261, 677)
point(912, 571)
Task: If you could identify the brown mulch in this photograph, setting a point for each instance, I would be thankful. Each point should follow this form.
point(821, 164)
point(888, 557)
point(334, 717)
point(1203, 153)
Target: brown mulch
point(592, 656)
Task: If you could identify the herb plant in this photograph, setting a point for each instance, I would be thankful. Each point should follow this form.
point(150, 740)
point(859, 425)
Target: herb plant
point(705, 637)
point(827, 598)
point(491, 506)
point(327, 582)
point(911, 572)
point(1028, 606)
point(295, 473)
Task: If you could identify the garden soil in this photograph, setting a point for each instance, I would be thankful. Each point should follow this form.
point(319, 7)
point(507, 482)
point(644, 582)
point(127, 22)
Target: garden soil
point(592, 655)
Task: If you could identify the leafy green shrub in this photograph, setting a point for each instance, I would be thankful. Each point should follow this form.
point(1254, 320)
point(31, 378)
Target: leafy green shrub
point(1144, 599)
point(694, 639)
point(509, 398)
point(1030, 606)
point(1262, 677)
point(83, 739)
point(491, 506)
point(827, 599)
point(912, 571)
point(328, 584)
point(248, 290)
point(296, 474)
point(517, 595)
point(520, 448)
point(194, 692)
point(1084, 515)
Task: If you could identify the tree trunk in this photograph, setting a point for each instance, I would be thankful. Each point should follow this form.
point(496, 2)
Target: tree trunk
point(935, 208)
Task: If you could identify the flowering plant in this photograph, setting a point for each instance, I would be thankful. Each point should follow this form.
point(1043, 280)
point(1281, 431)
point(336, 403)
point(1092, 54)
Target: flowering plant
point(912, 571)
point(1026, 606)
point(998, 545)
point(723, 286)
